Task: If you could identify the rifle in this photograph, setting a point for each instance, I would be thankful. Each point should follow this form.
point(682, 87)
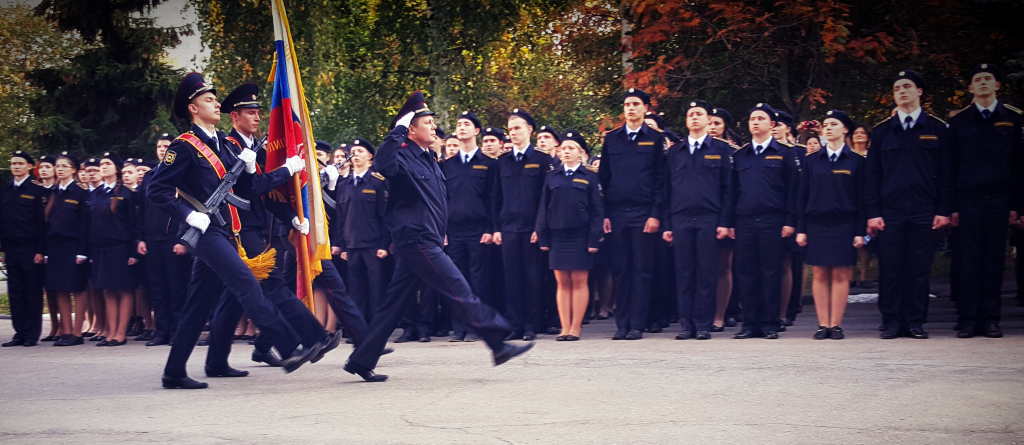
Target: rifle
point(219, 196)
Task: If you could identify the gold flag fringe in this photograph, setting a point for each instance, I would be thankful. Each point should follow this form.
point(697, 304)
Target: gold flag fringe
point(261, 265)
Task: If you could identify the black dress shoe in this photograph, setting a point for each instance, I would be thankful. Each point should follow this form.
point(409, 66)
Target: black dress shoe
point(406, 336)
point(634, 334)
point(98, 338)
point(685, 335)
point(771, 335)
point(386, 351)
point(146, 335)
point(958, 327)
point(731, 322)
point(226, 372)
point(601, 317)
point(424, 339)
point(203, 342)
point(64, 340)
point(270, 358)
point(788, 321)
point(717, 328)
point(554, 331)
point(992, 331)
point(102, 342)
point(182, 383)
point(571, 338)
point(655, 329)
point(134, 327)
point(703, 335)
point(890, 333)
point(457, 337)
point(965, 333)
point(441, 334)
point(620, 334)
point(837, 333)
point(529, 335)
point(745, 333)
point(115, 342)
point(513, 336)
point(88, 334)
point(822, 333)
point(918, 333)
point(51, 338)
point(30, 343)
point(782, 326)
point(158, 341)
point(300, 357)
point(331, 341)
point(881, 327)
point(510, 351)
point(366, 374)
point(472, 337)
point(561, 338)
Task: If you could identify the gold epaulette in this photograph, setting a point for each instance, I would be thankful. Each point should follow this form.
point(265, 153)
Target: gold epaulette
point(731, 143)
point(936, 118)
point(38, 183)
point(813, 152)
point(787, 144)
point(592, 168)
point(656, 129)
point(542, 150)
point(744, 146)
point(862, 154)
point(377, 175)
point(800, 145)
point(82, 186)
point(1013, 109)
point(884, 121)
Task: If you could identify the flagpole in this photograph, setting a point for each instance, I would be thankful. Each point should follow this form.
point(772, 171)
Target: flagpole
point(303, 247)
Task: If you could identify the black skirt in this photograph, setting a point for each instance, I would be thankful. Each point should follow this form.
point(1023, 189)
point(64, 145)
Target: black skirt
point(831, 244)
point(569, 250)
point(62, 272)
point(110, 268)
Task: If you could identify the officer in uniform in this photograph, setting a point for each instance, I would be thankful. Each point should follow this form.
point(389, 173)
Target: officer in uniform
point(698, 191)
point(728, 307)
point(784, 131)
point(548, 141)
point(491, 142)
point(765, 188)
point(908, 199)
point(192, 168)
point(417, 216)
point(663, 309)
point(22, 226)
point(470, 183)
point(632, 177)
point(519, 181)
point(987, 178)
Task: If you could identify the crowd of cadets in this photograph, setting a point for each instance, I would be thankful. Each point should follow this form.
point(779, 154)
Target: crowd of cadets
point(702, 228)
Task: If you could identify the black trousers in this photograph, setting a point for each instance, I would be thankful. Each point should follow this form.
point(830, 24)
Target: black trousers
point(906, 251)
point(418, 264)
point(631, 263)
point(523, 279)
point(169, 274)
point(24, 289)
point(796, 296)
point(982, 249)
point(473, 261)
point(366, 279)
point(757, 271)
point(218, 268)
point(696, 276)
point(664, 303)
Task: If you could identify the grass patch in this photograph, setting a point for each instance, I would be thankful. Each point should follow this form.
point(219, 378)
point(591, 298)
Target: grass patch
point(5, 305)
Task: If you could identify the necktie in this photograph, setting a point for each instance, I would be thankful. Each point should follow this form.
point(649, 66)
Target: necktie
point(519, 157)
point(632, 136)
point(358, 178)
point(758, 149)
point(833, 157)
point(985, 114)
point(908, 122)
point(465, 158)
point(569, 172)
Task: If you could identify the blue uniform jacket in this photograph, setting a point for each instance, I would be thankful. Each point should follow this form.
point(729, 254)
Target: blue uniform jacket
point(360, 215)
point(832, 192)
point(109, 228)
point(698, 187)
point(417, 208)
point(470, 192)
point(766, 184)
point(67, 215)
point(633, 176)
point(909, 171)
point(988, 156)
point(517, 189)
point(21, 213)
point(571, 203)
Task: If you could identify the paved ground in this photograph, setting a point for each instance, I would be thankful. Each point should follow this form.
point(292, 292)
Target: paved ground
point(658, 391)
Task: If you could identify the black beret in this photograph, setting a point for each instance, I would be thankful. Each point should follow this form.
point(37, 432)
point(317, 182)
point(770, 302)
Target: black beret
point(577, 137)
point(70, 157)
point(325, 147)
point(360, 142)
point(416, 104)
point(112, 156)
point(766, 108)
point(439, 132)
point(92, 162)
point(987, 68)
point(657, 118)
point(508, 139)
point(672, 137)
point(191, 86)
point(724, 115)
point(842, 117)
point(146, 163)
point(491, 131)
point(637, 93)
point(24, 155)
point(130, 161)
point(524, 115)
point(468, 115)
point(551, 131)
point(913, 77)
point(700, 104)
point(165, 137)
point(783, 117)
point(242, 97)
point(46, 159)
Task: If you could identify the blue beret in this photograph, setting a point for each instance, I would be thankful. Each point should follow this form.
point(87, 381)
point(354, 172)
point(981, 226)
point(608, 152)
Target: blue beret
point(766, 108)
point(146, 163)
point(468, 115)
point(913, 77)
point(439, 132)
point(360, 142)
point(24, 155)
point(637, 93)
point(657, 118)
point(325, 147)
point(112, 156)
point(700, 104)
point(551, 131)
point(242, 97)
point(987, 68)
point(92, 162)
point(783, 117)
point(724, 115)
point(416, 104)
point(47, 159)
point(70, 157)
point(491, 131)
point(191, 86)
point(524, 115)
point(165, 137)
point(577, 137)
point(842, 117)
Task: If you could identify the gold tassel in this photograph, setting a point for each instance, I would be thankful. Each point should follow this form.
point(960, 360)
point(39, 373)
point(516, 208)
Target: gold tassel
point(261, 264)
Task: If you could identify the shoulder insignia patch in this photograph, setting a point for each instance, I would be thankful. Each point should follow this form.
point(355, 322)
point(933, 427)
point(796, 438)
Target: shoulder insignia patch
point(787, 144)
point(542, 150)
point(936, 118)
point(744, 146)
point(377, 175)
point(592, 168)
point(862, 154)
point(1013, 109)
point(884, 121)
point(82, 186)
point(169, 157)
point(38, 183)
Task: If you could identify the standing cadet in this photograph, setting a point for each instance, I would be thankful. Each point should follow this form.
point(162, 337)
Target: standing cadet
point(21, 240)
point(632, 177)
point(470, 180)
point(831, 221)
point(520, 178)
point(67, 233)
point(907, 199)
point(765, 187)
point(726, 308)
point(192, 167)
point(987, 179)
point(698, 189)
point(417, 216)
point(785, 132)
point(491, 142)
point(358, 232)
point(44, 173)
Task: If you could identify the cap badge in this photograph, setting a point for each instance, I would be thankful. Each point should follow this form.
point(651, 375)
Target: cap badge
point(903, 73)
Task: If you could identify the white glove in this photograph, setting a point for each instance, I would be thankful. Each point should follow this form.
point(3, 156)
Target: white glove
point(249, 158)
point(405, 121)
point(294, 165)
point(302, 227)
point(332, 176)
point(198, 220)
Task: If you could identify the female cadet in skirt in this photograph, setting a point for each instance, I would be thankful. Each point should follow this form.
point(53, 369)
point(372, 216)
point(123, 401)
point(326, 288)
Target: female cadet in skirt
point(569, 226)
point(67, 233)
point(831, 221)
point(112, 240)
point(722, 127)
point(44, 178)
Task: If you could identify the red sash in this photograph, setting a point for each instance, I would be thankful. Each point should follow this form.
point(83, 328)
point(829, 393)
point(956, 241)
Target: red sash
point(204, 151)
point(259, 171)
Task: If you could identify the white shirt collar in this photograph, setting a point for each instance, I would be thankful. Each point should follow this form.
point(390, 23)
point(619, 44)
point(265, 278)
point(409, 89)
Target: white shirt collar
point(516, 151)
point(109, 186)
point(836, 152)
point(571, 169)
point(63, 187)
point(990, 108)
point(18, 183)
point(696, 142)
point(211, 135)
point(763, 145)
point(248, 140)
point(356, 176)
point(630, 131)
point(914, 116)
point(472, 154)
